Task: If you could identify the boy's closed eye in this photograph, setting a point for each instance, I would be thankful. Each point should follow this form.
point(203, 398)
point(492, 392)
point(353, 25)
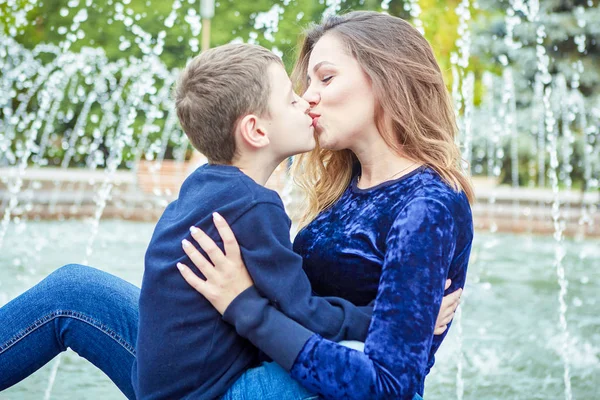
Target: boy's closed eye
point(294, 99)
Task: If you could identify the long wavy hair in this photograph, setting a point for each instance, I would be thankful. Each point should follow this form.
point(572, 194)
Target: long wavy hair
point(414, 112)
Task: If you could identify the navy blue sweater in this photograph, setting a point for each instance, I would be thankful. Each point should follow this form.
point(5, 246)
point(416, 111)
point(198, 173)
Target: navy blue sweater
point(396, 243)
point(184, 347)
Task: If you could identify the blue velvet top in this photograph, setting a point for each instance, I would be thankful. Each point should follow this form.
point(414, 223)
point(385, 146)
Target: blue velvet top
point(397, 243)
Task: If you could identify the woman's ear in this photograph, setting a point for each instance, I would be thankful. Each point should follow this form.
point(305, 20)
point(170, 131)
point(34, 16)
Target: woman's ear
point(252, 132)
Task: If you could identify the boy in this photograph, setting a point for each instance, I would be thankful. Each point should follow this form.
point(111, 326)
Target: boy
point(237, 106)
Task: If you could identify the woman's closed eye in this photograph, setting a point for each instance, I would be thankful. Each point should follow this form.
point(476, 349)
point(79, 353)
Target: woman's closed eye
point(327, 79)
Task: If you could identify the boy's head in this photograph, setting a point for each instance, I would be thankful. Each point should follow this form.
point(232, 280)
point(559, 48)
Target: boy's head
point(237, 97)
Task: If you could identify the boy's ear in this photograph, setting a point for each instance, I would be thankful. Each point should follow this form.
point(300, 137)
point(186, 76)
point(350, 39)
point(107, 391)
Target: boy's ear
point(252, 131)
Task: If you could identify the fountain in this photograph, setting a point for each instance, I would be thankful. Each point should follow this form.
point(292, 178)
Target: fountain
point(85, 136)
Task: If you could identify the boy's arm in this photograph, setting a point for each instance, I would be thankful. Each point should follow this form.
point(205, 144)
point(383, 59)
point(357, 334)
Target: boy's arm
point(263, 234)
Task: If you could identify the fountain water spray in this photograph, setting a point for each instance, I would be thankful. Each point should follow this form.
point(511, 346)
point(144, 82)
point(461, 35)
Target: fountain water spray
point(462, 93)
point(551, 130)
point(494, 152)
point(509, 118)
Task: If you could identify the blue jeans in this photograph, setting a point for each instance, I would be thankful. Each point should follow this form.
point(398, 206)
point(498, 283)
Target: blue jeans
point(96, 315)
point(92, 312)
point(267, 382)
point(270, 382)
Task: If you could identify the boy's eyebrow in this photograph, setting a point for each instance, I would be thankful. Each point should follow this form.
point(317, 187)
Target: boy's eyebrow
point(319, 65)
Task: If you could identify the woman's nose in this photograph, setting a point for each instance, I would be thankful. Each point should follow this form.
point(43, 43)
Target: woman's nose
point(311, 96)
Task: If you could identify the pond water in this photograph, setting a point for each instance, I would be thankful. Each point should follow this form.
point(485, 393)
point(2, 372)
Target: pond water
point(510, 345)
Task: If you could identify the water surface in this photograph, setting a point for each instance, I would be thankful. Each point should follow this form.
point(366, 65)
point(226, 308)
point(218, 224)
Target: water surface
point(511, 346)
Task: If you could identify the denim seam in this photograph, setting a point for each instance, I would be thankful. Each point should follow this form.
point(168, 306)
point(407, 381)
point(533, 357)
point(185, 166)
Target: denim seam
point(71, 314)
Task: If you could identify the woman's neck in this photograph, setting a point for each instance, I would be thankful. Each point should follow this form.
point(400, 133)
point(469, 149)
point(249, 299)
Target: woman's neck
point(380, 163)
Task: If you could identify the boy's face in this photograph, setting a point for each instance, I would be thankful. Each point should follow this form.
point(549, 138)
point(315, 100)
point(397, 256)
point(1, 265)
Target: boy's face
point(289, 125)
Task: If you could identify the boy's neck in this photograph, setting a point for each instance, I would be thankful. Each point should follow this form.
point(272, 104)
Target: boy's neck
point(260, 170)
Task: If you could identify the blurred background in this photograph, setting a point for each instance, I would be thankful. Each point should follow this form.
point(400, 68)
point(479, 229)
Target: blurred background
point(91, 152)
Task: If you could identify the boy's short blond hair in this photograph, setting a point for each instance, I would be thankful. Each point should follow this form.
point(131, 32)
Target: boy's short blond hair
point(216, 89)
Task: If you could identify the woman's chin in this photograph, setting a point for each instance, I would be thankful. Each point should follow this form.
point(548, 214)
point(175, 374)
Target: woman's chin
point(324, 139)
point(329, 140)
point(326, 143)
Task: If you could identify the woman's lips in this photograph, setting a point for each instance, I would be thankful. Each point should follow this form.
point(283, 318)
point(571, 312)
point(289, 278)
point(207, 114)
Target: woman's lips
point(315, 121)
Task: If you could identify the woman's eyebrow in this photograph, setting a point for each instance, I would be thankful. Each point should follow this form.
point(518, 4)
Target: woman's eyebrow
point(319, 65)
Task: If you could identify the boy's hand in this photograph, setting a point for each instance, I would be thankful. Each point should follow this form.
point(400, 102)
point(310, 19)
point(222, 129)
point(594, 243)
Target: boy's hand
point(228, 277)
point(448, 308)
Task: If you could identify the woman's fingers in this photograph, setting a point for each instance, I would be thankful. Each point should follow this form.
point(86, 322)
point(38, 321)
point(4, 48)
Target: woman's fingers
point(440, 330)
point(198, 259)
point(451, 301)
point(446, 320)
point(192, 279)
point(447, 310)
point(448, 283)
point(208, 245)
point(232, 249)
point(456, 301)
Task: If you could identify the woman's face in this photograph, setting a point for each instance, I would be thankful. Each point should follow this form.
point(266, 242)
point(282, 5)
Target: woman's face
point(340, 95)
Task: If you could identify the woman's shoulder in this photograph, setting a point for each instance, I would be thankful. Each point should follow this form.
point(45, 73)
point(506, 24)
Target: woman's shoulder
point(429, 186)
point(432, 199)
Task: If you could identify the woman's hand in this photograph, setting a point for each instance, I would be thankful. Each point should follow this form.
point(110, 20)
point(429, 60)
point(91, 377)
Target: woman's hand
point(447, 309)
point(228, 277)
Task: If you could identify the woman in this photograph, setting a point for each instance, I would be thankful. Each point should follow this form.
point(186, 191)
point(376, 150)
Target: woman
point(388, 201)
point(388, 132)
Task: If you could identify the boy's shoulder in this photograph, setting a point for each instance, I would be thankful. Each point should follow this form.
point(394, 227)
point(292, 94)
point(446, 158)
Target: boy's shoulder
point(245, 184)
point(209, 189)
point(219, 184)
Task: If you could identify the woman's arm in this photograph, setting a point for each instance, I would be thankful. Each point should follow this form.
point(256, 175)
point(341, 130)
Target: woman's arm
point(421, 245)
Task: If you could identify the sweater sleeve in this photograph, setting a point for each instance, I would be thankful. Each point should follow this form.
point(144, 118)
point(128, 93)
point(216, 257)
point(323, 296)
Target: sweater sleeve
point(420, 247)
point(278, 275)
